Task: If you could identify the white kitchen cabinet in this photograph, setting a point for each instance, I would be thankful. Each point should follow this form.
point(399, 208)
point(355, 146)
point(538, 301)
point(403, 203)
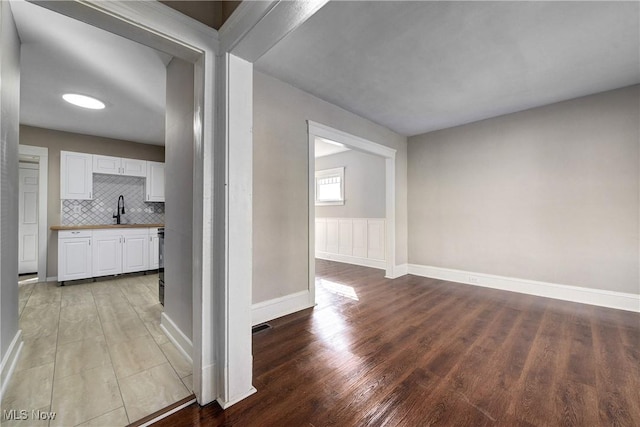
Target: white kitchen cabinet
point(154, 249)
point(107, 253)
point(119, 166)
point(135, 250)
point(155, 182)
point(74, 255)
point(76, 175)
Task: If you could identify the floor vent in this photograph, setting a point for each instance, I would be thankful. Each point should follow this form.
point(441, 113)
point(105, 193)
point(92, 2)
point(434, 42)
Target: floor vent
point(260, 327)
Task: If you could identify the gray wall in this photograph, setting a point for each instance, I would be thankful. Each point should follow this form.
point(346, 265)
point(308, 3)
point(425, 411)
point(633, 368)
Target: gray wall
point(364, 185)
point(9, 118)
point(178, 304)
point(280, 182)
point(549, 194)
point(57, 141)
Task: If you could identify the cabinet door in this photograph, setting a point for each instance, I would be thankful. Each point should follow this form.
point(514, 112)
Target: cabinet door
point(76, 175)
point(133, 167)
point(107, 254)
point(74, 258)
point(135, 252)
point(107, 164)
point(155, 182)
point(154, 249)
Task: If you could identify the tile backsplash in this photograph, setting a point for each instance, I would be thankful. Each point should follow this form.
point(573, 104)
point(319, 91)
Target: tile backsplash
point(106, 190)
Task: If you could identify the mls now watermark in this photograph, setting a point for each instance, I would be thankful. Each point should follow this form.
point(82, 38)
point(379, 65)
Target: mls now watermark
point(26, 415)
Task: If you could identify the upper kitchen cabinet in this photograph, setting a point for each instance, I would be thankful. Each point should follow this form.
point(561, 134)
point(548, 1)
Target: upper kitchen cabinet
point(119, 166)
point(155, 182)
point(76, 175)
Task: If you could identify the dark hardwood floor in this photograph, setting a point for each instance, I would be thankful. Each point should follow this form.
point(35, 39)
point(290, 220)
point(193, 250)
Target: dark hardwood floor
point(419, 352)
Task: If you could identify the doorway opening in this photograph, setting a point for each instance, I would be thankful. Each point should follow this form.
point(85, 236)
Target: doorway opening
point(365, 241)
point(190, 48)
point(32, 213)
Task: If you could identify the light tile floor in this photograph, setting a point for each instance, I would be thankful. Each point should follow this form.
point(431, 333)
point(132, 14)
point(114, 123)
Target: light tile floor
point(94, 354)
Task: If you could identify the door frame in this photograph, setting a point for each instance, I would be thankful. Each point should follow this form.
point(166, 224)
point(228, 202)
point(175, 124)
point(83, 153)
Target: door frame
point(158, 26)
point(43, 172)
point(317, 130)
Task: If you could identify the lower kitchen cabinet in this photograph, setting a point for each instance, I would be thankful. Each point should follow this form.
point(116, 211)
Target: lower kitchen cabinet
point(154, 249)
point(135, 251)
point(74, 255)
point(106, 252)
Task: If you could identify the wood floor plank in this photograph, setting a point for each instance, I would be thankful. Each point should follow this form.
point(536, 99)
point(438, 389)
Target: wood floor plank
point(421, 352)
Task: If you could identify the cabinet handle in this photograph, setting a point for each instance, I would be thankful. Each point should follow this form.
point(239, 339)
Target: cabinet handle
point(120, 241)
point(90, 194)
point(147, 196)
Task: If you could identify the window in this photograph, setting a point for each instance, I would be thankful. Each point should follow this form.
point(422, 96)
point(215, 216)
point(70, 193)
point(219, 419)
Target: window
point(330, 187)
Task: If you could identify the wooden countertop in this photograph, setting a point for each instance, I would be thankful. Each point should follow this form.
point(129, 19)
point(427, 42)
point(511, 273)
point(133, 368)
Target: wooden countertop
point(99, 226)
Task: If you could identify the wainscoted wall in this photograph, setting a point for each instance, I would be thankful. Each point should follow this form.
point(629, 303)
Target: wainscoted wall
point(357, 241)
point(106, 190)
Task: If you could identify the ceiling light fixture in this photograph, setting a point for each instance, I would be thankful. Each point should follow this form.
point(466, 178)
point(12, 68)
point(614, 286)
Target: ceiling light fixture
point(83, 101)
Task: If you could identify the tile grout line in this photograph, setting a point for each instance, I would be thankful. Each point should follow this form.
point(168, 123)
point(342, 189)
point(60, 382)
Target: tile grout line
point(55, 357)
point(124, 406)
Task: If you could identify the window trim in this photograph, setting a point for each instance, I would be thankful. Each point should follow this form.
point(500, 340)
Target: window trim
point(326, 173)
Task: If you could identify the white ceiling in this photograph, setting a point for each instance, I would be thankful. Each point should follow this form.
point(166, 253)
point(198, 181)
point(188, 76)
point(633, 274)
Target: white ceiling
point(324, 147)
point(61, 55)
point(415, 67)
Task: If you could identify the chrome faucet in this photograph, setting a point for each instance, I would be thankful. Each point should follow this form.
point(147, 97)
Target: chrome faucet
point(119, 209)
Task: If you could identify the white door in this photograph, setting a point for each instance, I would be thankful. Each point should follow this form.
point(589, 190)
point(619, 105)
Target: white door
point(107, 254)
point(28, 219)
point(135, 252)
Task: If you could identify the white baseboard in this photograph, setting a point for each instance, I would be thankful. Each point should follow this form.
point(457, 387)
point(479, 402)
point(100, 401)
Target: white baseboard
point(52, 279)
point(226, 403)
point(599, 297)
point(399, 271)
point(176, 336)
point(278, 307)
point(348, 259)
point(9, 362)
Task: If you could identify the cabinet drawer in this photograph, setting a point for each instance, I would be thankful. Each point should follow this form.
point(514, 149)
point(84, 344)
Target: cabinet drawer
point(67, 234)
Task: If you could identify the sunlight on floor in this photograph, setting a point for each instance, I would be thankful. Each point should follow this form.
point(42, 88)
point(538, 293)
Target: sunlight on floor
point(339, 289)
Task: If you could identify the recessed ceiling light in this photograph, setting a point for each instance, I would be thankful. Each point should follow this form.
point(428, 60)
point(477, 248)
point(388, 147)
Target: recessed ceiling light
point(83, 101)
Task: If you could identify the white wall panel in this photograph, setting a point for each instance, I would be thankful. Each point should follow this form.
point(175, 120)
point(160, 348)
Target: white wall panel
point(345, 239)
point(333, 245)
point(375, 234)
point(359, 238)
point(351, 240)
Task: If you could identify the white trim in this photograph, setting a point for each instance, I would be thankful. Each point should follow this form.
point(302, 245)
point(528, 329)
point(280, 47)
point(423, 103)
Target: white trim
point(166, 414)
point(274, 308)
point(177, 337)
point(399, 271)
point(317, 130)
point(351, 141)
point(9, 362)
point(256, 26)
point(350, 259)
point(599, 297)
point(43, 179)
point(52, 278)
point(224, 404)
